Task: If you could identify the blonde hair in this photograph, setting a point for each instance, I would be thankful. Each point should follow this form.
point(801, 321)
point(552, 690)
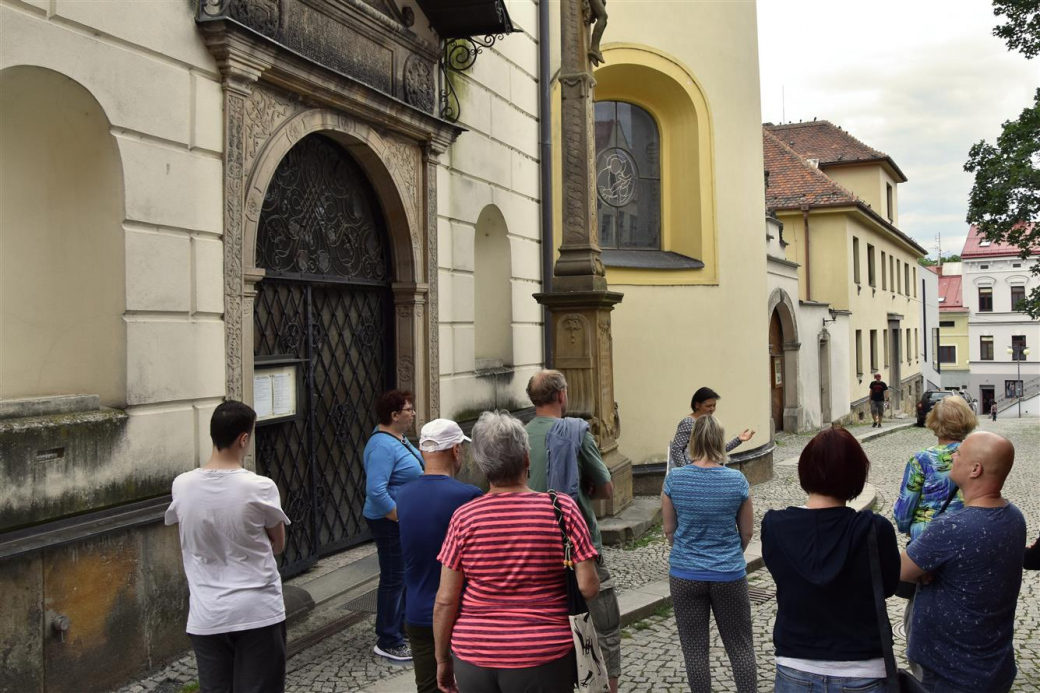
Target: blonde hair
point(951, 418)
point(708, 440)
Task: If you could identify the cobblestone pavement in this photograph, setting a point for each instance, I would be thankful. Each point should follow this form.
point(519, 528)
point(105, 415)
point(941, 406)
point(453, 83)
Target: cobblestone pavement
point(650, 649)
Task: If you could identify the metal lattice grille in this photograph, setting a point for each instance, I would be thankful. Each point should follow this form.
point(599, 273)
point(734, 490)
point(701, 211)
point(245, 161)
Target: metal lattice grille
point(326, 305)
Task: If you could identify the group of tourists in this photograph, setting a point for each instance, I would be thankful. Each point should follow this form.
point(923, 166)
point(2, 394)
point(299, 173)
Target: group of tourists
point(478, 588)
point(834, 567)
point(472, 585)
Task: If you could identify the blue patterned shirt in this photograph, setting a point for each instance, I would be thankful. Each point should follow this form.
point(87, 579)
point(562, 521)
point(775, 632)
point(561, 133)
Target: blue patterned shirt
point(926, 486)
point(706, 545)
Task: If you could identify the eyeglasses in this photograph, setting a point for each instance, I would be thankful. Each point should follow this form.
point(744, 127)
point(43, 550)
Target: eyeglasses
point(408, 409)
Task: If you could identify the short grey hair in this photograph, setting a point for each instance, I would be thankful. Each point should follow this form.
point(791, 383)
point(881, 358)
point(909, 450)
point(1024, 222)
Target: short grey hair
point(500, 446)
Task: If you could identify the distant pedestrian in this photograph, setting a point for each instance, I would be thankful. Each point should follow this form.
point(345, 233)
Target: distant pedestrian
point(509, 630)
point(579, 471)
point(970, 566)
point(424, 509)
point(703, 403)
point(231, 525)
point(826, 633)
point(390, 463)
point(878, 398)
point(993, 410)
point(927, 489)
point(708, 519)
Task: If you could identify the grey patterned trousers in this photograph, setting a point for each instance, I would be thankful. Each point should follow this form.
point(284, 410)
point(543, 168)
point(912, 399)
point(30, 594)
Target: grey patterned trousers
point(693, 602)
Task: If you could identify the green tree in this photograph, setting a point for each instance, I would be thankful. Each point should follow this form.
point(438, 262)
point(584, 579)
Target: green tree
point(1005, 200)
point(1021, 32)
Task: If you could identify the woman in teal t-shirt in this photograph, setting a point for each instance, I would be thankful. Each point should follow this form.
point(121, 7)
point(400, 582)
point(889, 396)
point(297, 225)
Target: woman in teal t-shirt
point(709, 521)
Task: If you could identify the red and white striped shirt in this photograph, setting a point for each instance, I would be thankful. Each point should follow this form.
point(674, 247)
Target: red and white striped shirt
point(514, 605)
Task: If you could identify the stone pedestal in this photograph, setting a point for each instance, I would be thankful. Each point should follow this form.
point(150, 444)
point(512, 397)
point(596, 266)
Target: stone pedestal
point(583, 352)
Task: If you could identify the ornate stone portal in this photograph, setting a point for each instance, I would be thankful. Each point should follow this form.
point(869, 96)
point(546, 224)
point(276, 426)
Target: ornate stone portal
point(580, 302)
point(288, 71)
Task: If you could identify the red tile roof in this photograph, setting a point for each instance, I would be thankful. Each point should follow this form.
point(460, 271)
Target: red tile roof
point(973, 246)
point(950, 293)
point(793, 182)
point(829, 144)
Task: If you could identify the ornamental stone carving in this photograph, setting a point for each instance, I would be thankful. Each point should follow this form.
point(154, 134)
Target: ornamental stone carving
point(418, 83)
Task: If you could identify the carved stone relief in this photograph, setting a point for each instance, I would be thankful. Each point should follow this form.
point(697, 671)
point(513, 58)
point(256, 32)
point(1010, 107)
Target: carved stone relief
point(418, 83)
point(266, 110)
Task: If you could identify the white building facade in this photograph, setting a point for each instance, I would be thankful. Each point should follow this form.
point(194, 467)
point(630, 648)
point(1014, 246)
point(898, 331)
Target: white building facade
point(994, 280)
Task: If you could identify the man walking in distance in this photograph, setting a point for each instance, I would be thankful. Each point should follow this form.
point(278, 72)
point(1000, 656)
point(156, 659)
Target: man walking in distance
point(231, 526)
point(877, 400)
point(970, 564)
point(424, 509)
point(575, 449)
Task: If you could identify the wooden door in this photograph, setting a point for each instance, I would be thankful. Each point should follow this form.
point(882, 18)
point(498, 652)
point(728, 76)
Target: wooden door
point(776, 370)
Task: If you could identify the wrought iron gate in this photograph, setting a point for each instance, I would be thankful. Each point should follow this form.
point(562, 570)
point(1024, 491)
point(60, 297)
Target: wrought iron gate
point(324, 305)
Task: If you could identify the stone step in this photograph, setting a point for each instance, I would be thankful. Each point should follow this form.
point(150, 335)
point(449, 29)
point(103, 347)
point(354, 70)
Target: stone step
point(632, 522)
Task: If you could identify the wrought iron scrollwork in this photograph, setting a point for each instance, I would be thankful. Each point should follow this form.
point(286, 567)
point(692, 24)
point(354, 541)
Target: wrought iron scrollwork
point(318, 217)
point(459, 56)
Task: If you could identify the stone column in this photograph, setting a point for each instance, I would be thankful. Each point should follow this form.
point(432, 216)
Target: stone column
point(580, 303)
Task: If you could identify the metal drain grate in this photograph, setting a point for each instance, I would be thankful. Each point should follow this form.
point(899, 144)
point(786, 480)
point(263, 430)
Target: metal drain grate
point(366, 602)
point(758, 595)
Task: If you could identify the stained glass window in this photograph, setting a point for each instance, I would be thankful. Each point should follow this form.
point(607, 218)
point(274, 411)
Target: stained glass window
point(628, 177)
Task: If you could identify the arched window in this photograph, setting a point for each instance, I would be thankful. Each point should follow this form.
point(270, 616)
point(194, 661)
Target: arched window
point(628, 177)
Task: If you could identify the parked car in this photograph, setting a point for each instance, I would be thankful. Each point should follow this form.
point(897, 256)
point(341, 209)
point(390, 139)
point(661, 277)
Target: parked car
point(927, 401)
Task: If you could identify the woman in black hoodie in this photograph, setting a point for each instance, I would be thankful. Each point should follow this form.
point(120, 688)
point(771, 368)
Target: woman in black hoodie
point(826, 633)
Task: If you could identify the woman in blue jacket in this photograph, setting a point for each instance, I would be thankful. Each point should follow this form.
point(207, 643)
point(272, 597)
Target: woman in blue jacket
point(390, 462)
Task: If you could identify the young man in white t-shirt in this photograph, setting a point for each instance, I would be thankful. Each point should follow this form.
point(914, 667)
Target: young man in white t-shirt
point(231, 526)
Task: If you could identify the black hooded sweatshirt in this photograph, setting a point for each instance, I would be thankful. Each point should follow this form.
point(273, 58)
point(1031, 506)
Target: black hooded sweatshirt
point(819, 561)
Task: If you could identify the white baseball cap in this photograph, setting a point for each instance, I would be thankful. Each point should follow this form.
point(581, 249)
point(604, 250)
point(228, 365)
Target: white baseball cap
point(440, 434)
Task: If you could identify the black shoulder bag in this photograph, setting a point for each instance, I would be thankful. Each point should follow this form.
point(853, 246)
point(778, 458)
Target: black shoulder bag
point(575, 600)
point(898, 680)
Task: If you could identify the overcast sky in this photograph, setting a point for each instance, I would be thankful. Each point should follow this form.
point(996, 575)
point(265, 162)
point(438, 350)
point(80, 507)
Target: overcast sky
point(921, 80)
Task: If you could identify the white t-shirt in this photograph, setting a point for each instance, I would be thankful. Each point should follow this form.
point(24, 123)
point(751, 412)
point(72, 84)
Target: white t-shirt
point(228, 560)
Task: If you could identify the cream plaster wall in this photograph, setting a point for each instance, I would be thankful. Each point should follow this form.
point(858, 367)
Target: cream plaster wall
point(492, 169)
point(868, 183)
point(670, 340)
point(871, 307)
point(824, 256)
point(147, 67)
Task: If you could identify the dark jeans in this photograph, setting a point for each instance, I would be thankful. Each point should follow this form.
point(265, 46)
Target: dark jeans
point(555, 677)
point(424, 657)
point(390, 596)
point(937, 684)
point(245, 661)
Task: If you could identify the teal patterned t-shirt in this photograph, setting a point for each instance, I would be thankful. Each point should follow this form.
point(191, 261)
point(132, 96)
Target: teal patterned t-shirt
point(706, 544)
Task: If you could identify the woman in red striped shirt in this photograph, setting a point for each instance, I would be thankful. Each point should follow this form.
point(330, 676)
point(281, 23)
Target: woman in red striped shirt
point(511, 632)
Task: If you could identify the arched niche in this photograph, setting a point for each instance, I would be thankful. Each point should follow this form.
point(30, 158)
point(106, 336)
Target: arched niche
point(493, 305)
point(62, 263)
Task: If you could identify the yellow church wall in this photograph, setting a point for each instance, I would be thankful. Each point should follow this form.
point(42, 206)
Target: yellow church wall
point(696, 66)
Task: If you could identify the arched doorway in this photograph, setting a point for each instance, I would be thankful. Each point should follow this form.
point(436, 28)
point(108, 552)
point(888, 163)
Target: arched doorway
point(776, 370)
point(323, 327)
